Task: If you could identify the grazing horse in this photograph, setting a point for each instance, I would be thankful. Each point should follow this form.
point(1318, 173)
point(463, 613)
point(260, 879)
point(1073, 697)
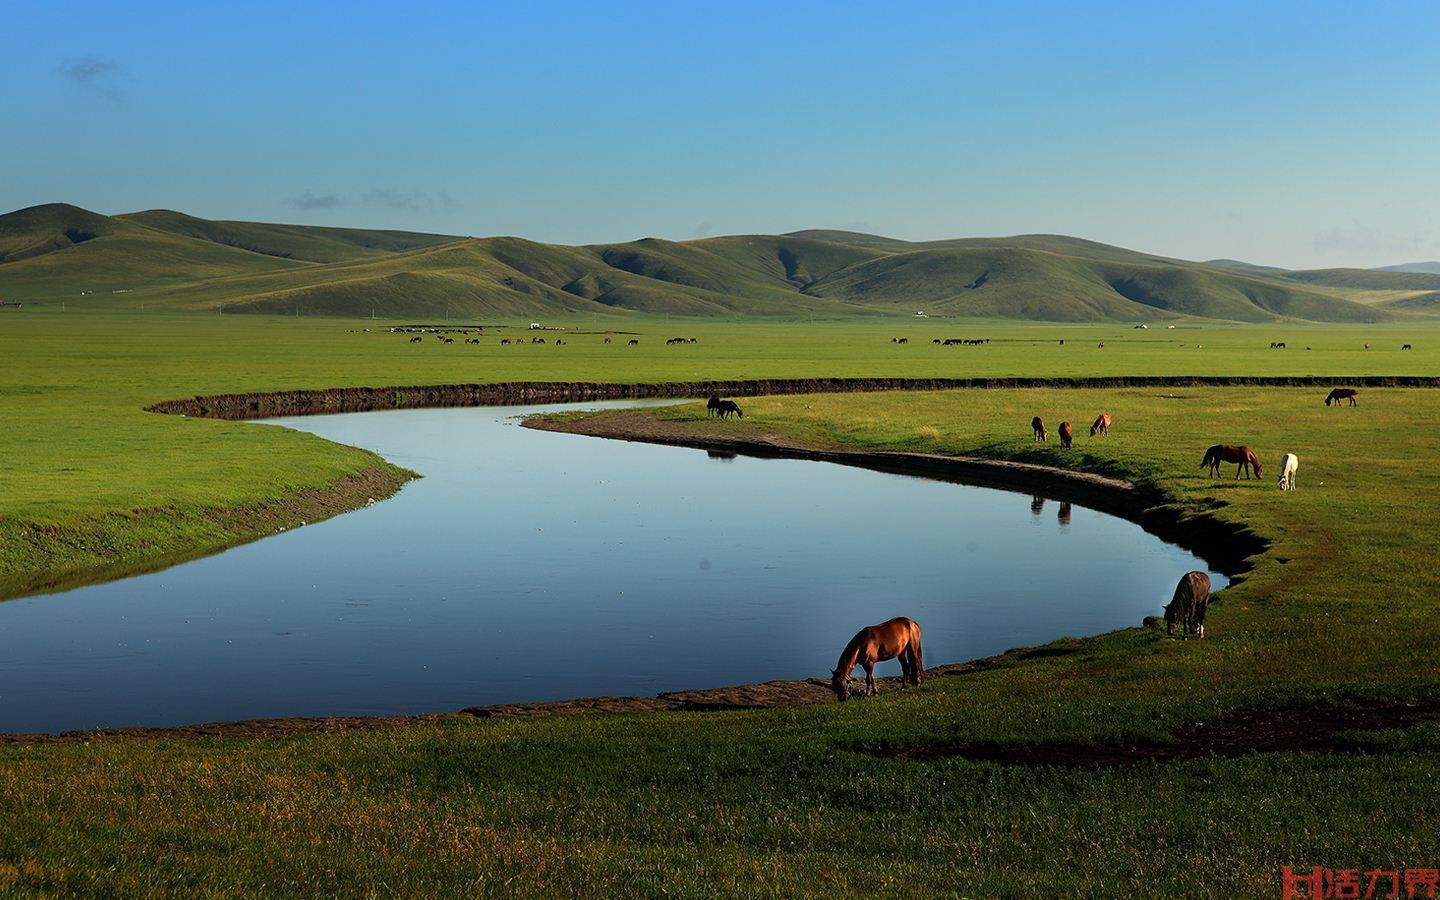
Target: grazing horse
point(416, 340)
point(1038, 424)
point(634, 342)
point(903, 341)
point(1341, 394)
point(607, 340)
point(1187, 607)
point(726, 407)
point(1405, 347)
point(1244, 457)
point(1288, 464)
point(899, 637)
point(1066, 435)
point(1101, 426)
point(712, 406)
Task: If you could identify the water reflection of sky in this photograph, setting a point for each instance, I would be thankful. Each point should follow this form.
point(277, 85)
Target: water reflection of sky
point(529, 565)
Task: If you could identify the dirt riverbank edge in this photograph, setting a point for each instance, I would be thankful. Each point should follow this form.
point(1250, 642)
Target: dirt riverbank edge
point(268, 404)
point(1225, 546)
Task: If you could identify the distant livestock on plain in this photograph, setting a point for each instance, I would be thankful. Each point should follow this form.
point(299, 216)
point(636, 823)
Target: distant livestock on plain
point(1243, 457)
point(1340, 394)
point(1288, 464)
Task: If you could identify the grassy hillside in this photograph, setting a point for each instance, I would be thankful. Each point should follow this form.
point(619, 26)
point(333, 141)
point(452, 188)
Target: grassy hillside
point(167, 259)
point(1432, 268)
point(302, 242)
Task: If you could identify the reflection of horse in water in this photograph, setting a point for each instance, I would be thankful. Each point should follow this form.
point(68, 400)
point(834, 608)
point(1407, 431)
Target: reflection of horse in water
point(1037, 504)
point(1063, 516)
point(899, 637)
point(721, 455)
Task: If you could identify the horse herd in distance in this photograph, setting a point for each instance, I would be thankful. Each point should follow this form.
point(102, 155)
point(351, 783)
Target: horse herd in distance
point(472, 337)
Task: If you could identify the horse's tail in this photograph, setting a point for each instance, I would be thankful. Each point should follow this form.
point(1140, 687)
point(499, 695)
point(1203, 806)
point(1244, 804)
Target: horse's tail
point(1209, 457)
point(917, 657)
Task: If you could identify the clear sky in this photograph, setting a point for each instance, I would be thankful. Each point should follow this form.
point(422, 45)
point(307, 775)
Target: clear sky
point(1303, 134)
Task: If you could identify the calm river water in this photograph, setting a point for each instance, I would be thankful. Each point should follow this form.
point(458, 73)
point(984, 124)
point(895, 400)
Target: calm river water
point(529, 565)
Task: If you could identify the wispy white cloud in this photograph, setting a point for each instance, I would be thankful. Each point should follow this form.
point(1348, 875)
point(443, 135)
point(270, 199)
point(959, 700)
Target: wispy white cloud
point(312, 200)
point(95, 75)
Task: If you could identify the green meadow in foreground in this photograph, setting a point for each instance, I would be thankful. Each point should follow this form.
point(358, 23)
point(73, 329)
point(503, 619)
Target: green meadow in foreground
point(1341, 609)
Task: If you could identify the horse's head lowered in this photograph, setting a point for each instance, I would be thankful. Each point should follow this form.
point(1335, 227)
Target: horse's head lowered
point(840, 684)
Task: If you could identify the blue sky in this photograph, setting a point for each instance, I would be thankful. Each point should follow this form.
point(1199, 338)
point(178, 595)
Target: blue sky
point(1294, 134)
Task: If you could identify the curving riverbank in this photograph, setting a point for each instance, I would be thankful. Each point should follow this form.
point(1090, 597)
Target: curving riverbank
point(267, 404)
point(1113, 494)
point(1226, 546)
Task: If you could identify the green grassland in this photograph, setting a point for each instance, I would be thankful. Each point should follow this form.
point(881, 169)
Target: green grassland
point(161, 259)
point(88, 474)
point(1340, 609)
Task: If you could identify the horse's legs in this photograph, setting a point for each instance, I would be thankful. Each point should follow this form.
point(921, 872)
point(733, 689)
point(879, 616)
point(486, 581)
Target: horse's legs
point(870, 689)
point(906, 667)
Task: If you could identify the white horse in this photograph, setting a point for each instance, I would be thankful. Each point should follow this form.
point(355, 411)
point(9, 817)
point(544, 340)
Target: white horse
point(1288, 464)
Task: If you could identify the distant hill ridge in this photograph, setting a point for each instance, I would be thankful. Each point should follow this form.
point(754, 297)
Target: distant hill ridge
point(170, 259)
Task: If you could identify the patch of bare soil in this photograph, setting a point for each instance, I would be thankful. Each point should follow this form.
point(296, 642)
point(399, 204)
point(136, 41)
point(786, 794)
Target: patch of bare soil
point(1317, 729)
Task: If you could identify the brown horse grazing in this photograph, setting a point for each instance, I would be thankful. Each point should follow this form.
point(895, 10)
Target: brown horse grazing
point(1038, 424)
point(1187, 607)
point(712, 406)
point(1066, 435)
point(1244, 457)
point(1101, 426)
point(899, 637)
point(1341, 394)
point(727, 408)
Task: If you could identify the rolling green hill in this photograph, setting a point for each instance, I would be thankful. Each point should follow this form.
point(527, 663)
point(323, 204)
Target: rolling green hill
point(302, 242)
point(173, 260)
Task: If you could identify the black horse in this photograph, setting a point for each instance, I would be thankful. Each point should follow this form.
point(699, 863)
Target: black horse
point(725, 408)
point(1339, 394)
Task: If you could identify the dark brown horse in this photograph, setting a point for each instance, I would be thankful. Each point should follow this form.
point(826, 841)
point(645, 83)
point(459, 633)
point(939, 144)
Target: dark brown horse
point(1066, 435)
point(1101, 426)
point(1243, 457)
point(1187, 607)
point(899, 637)
point(727, 408)
point(1341, 394)
point(1038, 424)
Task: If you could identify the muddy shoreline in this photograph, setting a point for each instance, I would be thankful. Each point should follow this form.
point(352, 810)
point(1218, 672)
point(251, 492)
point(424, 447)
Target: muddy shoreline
point(1226, 547)
point(324, 401)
